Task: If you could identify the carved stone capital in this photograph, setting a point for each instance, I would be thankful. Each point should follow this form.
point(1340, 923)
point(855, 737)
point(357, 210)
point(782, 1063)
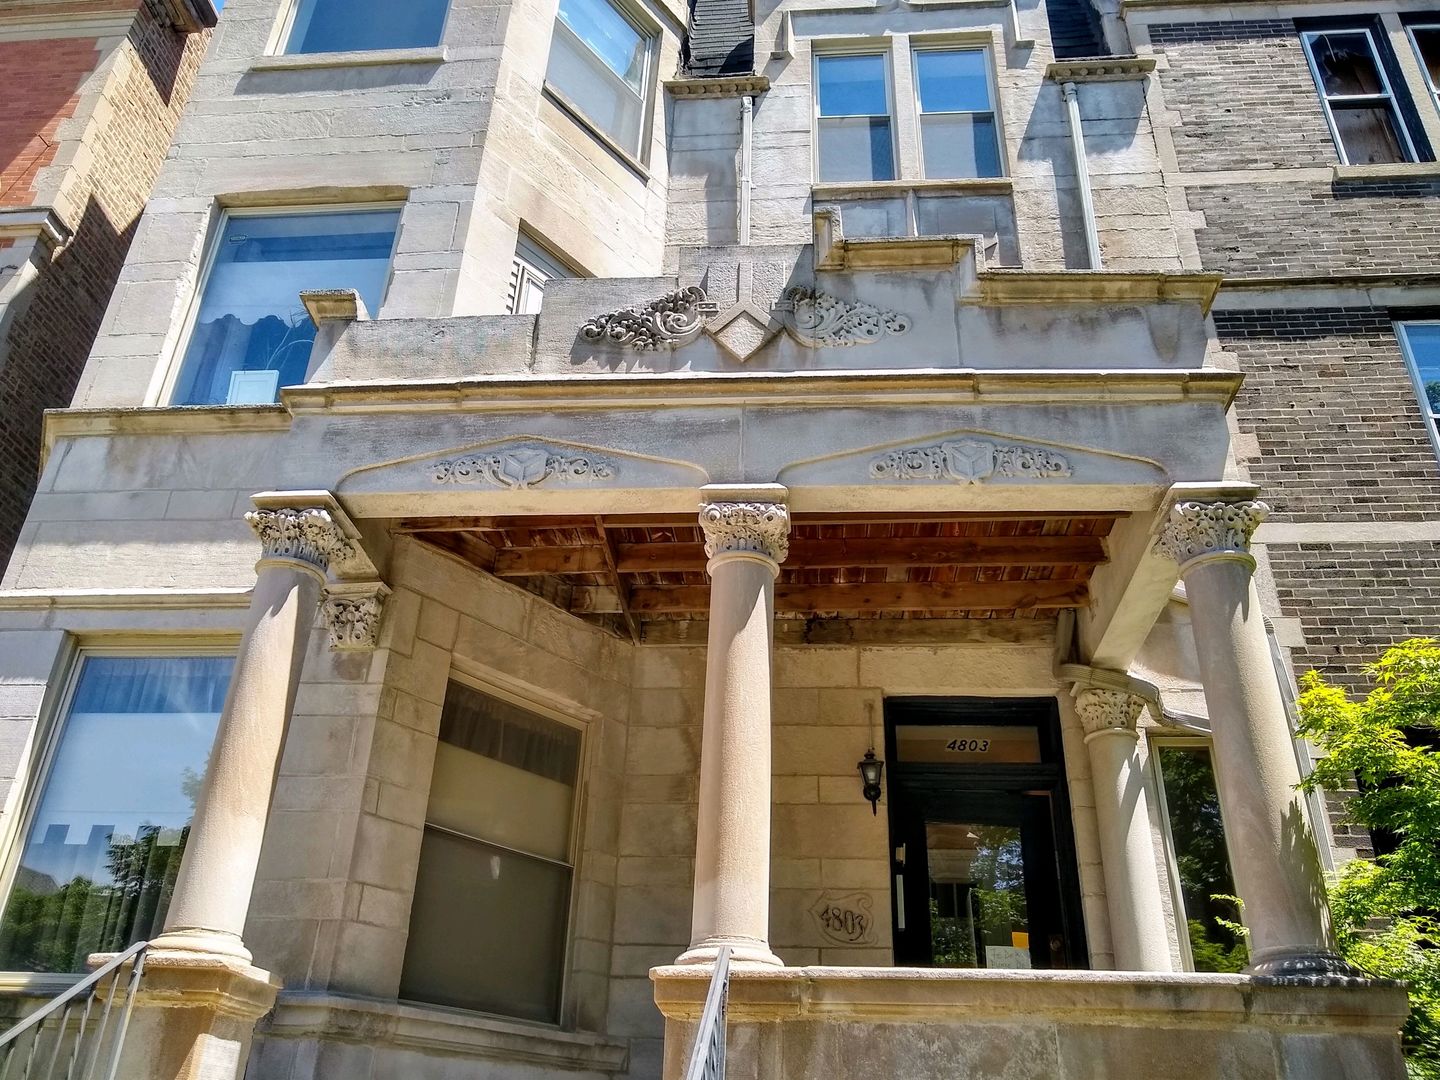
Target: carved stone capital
point(353, 612)
point(756, 528)
point(1207, 530)
point(1103, 711)
point(309, 535)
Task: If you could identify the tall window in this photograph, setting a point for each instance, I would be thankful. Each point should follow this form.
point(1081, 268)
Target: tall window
point(1421, 344)
point(1425, 37)
point(492, 896)
point(1197, 842)
point(958, 133)
point(853, 129)
point(1356, 94)
point(251, 334)
point(532, 269)
point(323, 26)
point(600, 65)
point(103, 848)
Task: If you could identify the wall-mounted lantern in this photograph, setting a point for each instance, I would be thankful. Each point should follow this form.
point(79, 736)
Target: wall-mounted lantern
point(871, 770)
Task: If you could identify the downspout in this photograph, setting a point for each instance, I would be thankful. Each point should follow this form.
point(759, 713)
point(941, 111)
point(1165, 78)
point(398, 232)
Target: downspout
point(747, 126)
point(1082, 174)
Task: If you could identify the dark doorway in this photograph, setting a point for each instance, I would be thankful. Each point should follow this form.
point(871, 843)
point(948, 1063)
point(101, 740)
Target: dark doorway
point(982, 847)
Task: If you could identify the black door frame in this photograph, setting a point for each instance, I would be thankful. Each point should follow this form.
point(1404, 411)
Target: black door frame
point(912, 788)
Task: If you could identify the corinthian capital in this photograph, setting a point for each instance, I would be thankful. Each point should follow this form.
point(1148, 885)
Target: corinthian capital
point(353, 611)
point(1102, 710)
point(309, 535)
point(1201, 530)
point(756, 528)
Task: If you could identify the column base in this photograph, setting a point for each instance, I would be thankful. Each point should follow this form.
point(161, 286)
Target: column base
point(1316, 967)
point(747, 951)
point(216, 943)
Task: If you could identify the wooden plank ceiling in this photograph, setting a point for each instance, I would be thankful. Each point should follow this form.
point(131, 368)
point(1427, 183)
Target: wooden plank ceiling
point(624, 571)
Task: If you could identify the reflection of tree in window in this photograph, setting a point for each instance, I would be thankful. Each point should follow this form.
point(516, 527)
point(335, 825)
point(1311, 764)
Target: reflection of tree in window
point(1203, 861)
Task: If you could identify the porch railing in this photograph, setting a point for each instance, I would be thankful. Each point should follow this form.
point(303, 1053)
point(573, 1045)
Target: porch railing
point(68, 1030)
point(707, 1056)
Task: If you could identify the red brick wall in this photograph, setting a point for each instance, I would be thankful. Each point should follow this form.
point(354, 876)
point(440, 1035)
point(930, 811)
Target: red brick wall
point(42, 81)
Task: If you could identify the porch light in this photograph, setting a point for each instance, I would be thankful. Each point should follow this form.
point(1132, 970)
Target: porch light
point(871, 769)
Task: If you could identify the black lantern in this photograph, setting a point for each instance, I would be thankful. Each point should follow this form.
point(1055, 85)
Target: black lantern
point(871, 769)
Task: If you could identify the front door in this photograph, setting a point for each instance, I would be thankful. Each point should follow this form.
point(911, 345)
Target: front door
point(984, 866)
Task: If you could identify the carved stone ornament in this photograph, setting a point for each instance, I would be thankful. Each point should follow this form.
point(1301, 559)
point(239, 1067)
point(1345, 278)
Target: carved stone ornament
point(846, 919)
point(353, 613)
point(969, 461)
point(761, 528)
point(824, 321)
point(522, 467)
point(1196, 530)
point(307, 535)
point(1103, 710)
point(667, 323)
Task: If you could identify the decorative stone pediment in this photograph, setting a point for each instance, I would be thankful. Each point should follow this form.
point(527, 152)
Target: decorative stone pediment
point(668, 322)
point(523, 466)
point(821, 320)
point(970, 461)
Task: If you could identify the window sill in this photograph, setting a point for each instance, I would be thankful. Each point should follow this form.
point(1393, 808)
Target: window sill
point(1402, 170)
point(368, 58)
point(575, 113)
point(991, 185)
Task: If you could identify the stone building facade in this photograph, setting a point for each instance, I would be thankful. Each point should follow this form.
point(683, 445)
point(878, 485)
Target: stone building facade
point(95, 90)
point(644, 415)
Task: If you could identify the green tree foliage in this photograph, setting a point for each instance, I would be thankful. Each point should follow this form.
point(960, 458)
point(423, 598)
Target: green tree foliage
point(1385, 911)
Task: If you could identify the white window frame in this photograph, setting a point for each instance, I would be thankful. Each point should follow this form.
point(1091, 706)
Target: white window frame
point(49, 733)
point(881, 48)
point(1431, 417)
point(279, 44)
point(650, 33)
point(162, 389)
point(1387, 98)
point(1420, 59)
point(528, 267)
point(992, 88)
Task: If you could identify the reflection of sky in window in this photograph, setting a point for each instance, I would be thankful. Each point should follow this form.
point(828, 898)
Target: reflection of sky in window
point(852, 86)
point(1424, 342)
point(609, 34)
point(952, 81)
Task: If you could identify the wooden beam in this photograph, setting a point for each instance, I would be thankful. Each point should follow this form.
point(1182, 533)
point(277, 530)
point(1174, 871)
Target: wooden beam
point(882, 596)
point(622, 591)
point(534, 561)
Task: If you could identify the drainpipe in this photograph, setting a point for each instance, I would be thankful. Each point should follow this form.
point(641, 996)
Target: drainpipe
point(1082, 174)
point(747, 126)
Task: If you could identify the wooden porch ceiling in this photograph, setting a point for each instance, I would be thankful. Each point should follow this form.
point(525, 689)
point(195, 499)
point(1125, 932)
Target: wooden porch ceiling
point(628, 570)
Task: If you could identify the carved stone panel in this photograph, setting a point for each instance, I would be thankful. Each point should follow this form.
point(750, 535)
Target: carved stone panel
point(970, 461)
point(522, 467)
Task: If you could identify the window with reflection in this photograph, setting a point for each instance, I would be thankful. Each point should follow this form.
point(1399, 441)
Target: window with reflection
point(1425, 39)
point(600, 66)
point(103, 847)
point(958, 135)
point(1355, 91)
point(854, 137)
point(252, 335)
point(326, 26)
point(492, 895)
point(1421, 344)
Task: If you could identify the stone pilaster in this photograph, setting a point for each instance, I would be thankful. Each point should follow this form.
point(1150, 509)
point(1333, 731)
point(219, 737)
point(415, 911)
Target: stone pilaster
point(353, 611)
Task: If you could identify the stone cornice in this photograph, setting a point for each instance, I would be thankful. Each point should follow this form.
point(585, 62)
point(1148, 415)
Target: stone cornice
point(187, 16)
point(37, 221)
point(721, 86)
point(1096, 287)
point(1101, 69)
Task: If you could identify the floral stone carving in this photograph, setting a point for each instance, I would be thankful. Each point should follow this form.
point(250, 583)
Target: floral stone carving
point(1104, 710)
point(353, 612)
point(825, 321)
point(1196, 530)
point(308, 535)
point(970, 461)
point(673, 320)
point(759, 528)
point(521, 467)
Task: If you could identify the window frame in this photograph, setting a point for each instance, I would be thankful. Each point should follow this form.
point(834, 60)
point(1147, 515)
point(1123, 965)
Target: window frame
point(882, 48)
point(651, 32)
point(49, 733)
point(526, 267)
point(162, 391)
point(583, 725)
point(1434, 90)
point(1430, 418)
point(992, 89)
point(1389, 98)
point(279, 44)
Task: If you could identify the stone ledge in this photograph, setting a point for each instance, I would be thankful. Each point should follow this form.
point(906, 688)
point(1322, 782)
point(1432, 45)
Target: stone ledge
point(1101, 69)
point(1397, 171)
point(720, 86)
point(366, 58)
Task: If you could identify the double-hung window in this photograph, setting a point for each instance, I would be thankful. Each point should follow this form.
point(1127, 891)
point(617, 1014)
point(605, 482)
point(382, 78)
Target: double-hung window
point(600, 62)
point(1425, 38)
point(102, 847)
point(492, 895)
point(1355, 91)
point(958, 134)
point(251, 334)
point(532, 269)
point(853, 131)
point(326, 26)
point(1421, 344)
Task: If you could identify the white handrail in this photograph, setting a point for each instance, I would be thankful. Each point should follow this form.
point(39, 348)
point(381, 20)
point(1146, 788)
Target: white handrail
point(707, 1056)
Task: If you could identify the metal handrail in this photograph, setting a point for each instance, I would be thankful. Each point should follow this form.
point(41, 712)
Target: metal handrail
point(82, 994)
point(707, 1056)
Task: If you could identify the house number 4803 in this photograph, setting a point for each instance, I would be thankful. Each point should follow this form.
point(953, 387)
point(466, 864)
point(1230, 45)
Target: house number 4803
point(968, 746)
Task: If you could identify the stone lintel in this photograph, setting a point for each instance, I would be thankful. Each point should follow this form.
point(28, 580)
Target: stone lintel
point(334, 305)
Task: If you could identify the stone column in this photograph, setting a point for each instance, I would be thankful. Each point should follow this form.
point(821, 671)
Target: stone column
point(1132, 878)
point(1272, 852)
point(747, 533)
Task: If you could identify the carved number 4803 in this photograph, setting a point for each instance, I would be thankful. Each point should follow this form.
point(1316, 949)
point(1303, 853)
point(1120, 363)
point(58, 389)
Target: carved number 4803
point(968, 746)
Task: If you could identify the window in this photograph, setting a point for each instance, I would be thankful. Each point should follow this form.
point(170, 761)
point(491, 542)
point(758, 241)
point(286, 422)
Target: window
point(492, 895)
point(252, 335)
point(533, 267)
point(958, 133)
point(103, 847)
point(1421, 344)
point(853, 131)
point(1359, 105)
point(1425, 37)
point(600, 64)
point(325, 26)
point(1201, 859)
